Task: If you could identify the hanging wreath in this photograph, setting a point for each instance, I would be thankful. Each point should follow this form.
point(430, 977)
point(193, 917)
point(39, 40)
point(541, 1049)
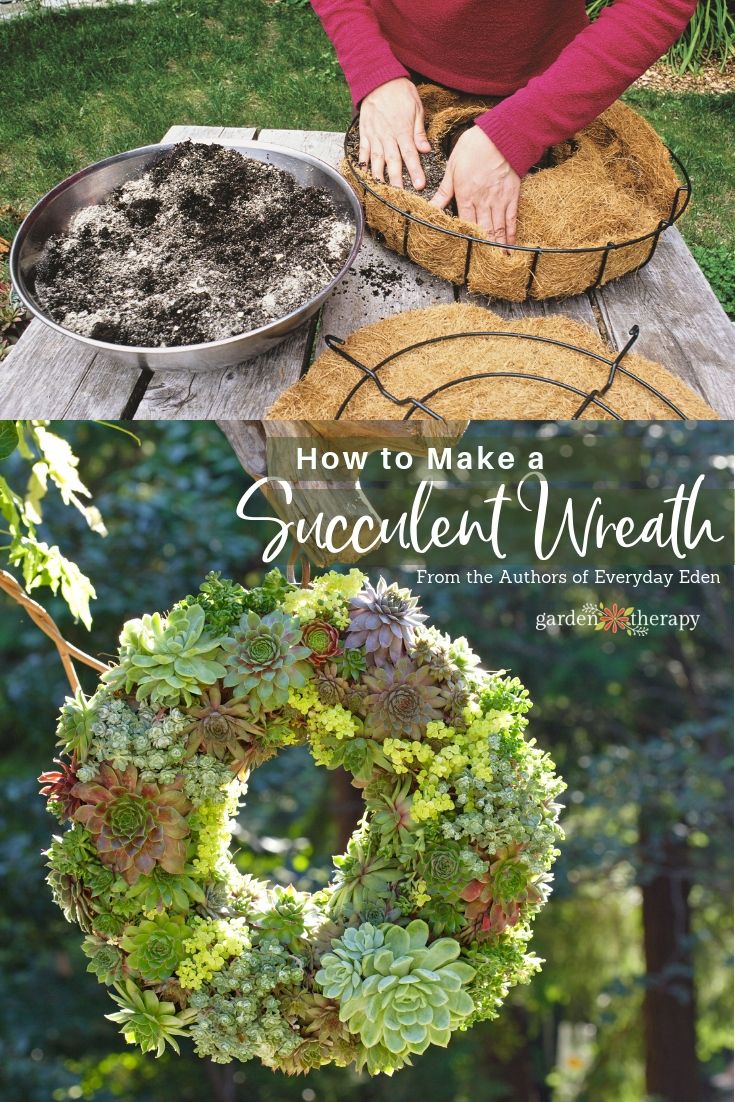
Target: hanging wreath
point(425, 924)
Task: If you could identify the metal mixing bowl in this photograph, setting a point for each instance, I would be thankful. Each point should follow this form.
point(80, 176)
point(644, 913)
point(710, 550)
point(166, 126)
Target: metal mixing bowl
point(52, 215)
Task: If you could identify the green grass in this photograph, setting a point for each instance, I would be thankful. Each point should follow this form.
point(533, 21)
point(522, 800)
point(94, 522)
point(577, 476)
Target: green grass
point(80, 85)
point(701, 130)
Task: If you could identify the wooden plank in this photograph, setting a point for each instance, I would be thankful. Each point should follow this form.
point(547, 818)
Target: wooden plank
point(245, 391)
point(47, 375)
point(193, 133)
point(380, 283)
point(248, 442)
point(210, 134)
point(326, 144)
point(236, 134)
point(682, 324)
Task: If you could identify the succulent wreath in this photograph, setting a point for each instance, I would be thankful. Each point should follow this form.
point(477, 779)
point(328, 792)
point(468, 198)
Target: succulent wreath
point(425, 924)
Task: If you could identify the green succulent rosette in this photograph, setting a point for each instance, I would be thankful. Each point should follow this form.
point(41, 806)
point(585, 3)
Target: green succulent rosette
point(424, 924)
point(106, 961)
point(265, 659)
point(147, 1021)
point(74, 726)
point(155, 947)
point(322, 640)
point(167, 660)
point(412, 994)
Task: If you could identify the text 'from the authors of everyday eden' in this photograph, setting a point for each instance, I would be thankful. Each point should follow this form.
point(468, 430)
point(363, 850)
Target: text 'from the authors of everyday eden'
point(630, 579)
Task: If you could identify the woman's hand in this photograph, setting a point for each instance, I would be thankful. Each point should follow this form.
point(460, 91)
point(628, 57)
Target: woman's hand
point(392, 133)
point(484, 184)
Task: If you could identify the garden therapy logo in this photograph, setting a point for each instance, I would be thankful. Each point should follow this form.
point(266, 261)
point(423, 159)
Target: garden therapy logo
point(617, 619)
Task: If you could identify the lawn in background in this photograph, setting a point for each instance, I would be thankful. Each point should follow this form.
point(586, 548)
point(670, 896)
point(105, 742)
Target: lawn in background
point(83, 84)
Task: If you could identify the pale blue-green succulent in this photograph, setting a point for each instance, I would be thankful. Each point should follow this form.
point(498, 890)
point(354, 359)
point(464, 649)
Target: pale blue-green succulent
point(339, 978)
point(357, 943)
point(412, 994)
point(342, 970)
point(167, 659)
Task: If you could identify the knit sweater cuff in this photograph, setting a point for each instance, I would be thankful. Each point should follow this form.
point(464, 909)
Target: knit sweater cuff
point(363, 83)
point(509, 135)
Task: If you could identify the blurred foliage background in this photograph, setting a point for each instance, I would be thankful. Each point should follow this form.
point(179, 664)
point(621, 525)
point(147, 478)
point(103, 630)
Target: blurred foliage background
point(633, 1002)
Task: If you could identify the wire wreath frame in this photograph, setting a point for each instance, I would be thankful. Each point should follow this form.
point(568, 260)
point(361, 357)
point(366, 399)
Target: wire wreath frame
point(679, 204)
point(593, 398)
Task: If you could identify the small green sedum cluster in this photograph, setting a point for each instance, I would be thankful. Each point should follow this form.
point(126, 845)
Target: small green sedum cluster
point(424, 926)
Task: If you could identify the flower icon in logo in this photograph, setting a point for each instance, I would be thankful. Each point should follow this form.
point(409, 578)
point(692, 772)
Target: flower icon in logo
point(614, 619)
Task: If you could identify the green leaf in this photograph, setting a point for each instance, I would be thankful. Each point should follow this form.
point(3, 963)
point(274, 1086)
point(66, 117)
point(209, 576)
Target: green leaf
point(52, 462)
point(36, 492)
point(59, 464)
point(8, 438)
point(42, 565)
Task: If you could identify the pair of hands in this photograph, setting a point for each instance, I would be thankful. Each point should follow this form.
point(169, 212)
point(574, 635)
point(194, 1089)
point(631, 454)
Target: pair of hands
point(485, 186)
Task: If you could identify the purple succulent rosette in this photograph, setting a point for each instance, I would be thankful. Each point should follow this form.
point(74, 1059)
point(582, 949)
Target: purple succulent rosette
point(425, 924)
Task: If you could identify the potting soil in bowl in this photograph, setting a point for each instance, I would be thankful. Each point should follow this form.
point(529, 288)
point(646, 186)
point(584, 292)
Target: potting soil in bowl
point(207, 244)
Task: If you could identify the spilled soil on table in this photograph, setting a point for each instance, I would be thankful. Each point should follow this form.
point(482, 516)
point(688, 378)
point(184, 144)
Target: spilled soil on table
point(207, 244)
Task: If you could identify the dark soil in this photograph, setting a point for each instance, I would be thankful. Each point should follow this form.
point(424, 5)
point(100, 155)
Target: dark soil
point(434, 165)
point(207, 244)
point(380, 279)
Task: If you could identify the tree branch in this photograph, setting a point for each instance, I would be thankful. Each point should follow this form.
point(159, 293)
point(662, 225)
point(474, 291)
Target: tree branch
point(42, 619)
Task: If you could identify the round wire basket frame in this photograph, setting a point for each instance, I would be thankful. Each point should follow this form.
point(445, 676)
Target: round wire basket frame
point(592, 398)
point(679, 204)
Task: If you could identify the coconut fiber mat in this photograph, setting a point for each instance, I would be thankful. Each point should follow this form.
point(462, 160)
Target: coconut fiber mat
point(549, 368)
point(591, 213)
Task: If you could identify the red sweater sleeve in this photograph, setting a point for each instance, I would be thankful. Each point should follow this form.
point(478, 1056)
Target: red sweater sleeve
point(590, 73)
point(363, 52)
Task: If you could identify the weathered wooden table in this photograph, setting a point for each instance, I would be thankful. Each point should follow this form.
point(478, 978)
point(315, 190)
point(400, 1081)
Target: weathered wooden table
point(682, 325)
